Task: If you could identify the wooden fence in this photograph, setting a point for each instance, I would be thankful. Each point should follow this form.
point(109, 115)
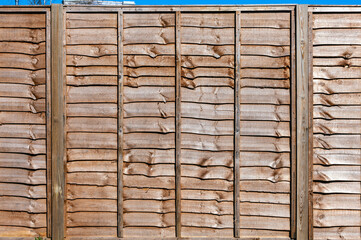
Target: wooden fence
point(180, 122)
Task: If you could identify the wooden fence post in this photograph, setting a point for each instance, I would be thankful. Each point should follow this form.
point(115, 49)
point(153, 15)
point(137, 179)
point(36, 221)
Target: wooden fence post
point(57, 123)
point(302, 73)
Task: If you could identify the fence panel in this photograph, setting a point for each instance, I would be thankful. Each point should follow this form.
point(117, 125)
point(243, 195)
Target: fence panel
point(23, 123)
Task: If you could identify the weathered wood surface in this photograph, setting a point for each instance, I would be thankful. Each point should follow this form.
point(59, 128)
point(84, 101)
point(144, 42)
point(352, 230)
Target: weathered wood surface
point(23, 206)
point(91, 97)
point(216, 30)
point(149, 104)
point(265, 75)
point(336, 169)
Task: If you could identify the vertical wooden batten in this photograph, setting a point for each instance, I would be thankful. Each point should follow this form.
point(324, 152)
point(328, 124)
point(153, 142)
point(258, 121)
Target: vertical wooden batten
point(293, 128)
point(120, 127)
point(178, 172)
point(48, 121)
point(57, 123)
point(302, 73)
point(310, 131)
point(237, 123)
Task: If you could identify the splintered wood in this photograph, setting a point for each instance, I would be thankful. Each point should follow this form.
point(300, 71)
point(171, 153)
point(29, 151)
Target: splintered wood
point(23, 164)
point(336, 126)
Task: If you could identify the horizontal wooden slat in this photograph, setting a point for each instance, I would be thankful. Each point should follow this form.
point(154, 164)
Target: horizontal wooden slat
point(149, 20)
point(83, 124)
point(23, 190)
point(336, 201)
point(93, 205)
point(91, 192)
point(22, 91)
point(151, 206)
point(17, 145)
point(92, 166)
point(92, 178)
point(148, 81)
point(336, 86)
point(264, 36)
point(22, 35)
point(265, 20)
point(264, 209)
point(91, 80)
point(337, 156)
point(91, 50)
point(337, 187)
point(76, 60)
point(12, 175)
point(149, 94)
point(92, 70)
point(149, 219)
point(90, 232)
point(22, 76)
point(91, 20)
point(337, 99)
point(265, 186)
point(333, 20)
point(20, 160)
point(31, 233)
point(21, 105)
point(149, 140)
point(266, 73)
point(160, 125)
point(346, 51)
point(23, 131)
point(256, 197)
point(337, 112)
point(12, 60)
point(331, 218)
point(336, 141)
point(22, 47)
point(21, 20)
point(150, 49)
point(270, 223)
point(149, 35)
point(264, 62)
point(91, 154)
point(206, 220)
point(91, 219)
point(336, 173)
point(146, 170)
point(23, 219)
point(22, 204)
point(149, 71)
point(92, 140)
point(208, 20)
point(91, 110)
point(337, 232)
point(337, 62)
point(103, 94)
point(337, 126)
point(89, 36)
point(192, 35)
point(338, 36)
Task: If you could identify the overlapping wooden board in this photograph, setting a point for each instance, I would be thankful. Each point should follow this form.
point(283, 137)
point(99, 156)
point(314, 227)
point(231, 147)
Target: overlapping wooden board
point(91, 125)
point(336, 151)
point(23, 135)
point(265, 83)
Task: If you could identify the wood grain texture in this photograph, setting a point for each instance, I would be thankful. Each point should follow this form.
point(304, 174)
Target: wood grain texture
point(23, 135)
point(336, 150)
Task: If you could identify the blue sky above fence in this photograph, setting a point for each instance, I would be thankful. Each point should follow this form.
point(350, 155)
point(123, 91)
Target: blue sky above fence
point(190, 2)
